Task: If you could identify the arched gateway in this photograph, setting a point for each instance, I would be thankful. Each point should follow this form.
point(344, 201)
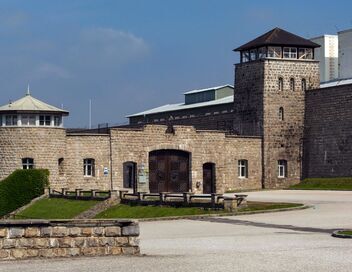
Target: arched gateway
point(169, 171)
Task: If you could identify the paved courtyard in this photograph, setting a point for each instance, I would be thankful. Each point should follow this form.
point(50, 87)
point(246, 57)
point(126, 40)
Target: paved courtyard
point(283, 241)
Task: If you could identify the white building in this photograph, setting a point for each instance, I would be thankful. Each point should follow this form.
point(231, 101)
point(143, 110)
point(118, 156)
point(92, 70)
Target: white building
point(345, 54)
point(328, 55)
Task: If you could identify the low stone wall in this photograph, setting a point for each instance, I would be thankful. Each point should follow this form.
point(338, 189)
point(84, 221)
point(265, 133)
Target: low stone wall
point(67, 238)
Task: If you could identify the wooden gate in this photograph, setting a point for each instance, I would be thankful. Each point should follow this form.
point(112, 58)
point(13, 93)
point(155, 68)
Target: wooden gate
point(169, 171)
point(209, 178)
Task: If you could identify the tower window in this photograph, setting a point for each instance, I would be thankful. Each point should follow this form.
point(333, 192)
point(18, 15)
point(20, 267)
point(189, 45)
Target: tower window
point(27, 163)
point(60, 163)
point(262, 52)
point(304, 84)
point(243, 169)
point(11, 120)
point(305, 53)
point(44, 120)
point(281, 114)
point(245, 56)
point(282, 168)
point(89, 167)
point(253, 54)
point(57, 121)
point(280, 84)
point(290, 52)
point(292, 84)
point(274, 52)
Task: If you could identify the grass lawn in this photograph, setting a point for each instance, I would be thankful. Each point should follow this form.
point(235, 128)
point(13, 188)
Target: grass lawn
point(341, 184)
point(133, 211)
point(346, 232)
point(56, 208)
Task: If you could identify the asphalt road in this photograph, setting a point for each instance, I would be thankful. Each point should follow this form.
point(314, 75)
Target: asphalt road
point(284, 241)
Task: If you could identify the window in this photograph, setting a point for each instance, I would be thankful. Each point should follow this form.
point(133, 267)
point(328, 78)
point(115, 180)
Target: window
point(280, 84)
point(60, 163)
point(27, 163)
point(290, 52)
point(44, 120)
point(88, 167)
point(304, 84)
point(11, 120)
point(57, 121)
point(281, 113)
point(253, 54)
point(305, 53)
point(243, 169)
point(282, 168)
point(274, 52)
point(262, 52)
point(245, 56)
point(292, 84)
point(28, 120)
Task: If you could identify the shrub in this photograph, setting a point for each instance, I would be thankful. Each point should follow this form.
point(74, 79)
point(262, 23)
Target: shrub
point(19, 188)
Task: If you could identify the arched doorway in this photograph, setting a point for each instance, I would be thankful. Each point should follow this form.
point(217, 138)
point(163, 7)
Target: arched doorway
point(169, 171)
point(209, 178)
point(130, 175)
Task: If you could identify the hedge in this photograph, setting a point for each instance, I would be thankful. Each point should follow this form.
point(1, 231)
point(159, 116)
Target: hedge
point(19, 188)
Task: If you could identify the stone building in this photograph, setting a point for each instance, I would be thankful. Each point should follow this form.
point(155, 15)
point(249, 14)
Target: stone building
point(283, 127)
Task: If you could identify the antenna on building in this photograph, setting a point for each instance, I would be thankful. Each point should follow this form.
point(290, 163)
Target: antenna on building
point(90, 113)
point(28, 92)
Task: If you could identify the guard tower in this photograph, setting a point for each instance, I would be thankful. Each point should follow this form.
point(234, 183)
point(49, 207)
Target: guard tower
point(275, 71)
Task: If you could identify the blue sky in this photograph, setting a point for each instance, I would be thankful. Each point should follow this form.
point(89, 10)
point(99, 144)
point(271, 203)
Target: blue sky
point(128, 56)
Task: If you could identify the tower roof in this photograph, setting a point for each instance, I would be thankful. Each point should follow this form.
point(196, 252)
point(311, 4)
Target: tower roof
point(30, 104)
point(278, 36)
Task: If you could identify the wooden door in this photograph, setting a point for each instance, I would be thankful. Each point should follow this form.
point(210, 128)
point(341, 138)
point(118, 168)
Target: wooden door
point(209, 178)
point(168, 171)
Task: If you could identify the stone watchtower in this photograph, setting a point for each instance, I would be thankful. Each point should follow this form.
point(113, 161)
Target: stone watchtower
point(275, 71)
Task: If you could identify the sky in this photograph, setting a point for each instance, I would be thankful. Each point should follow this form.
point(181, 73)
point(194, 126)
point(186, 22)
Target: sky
point(128, 56)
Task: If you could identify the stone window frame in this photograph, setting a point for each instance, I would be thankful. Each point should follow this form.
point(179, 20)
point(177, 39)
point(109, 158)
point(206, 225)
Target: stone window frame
point(292, 84)
point(280, 83)
point(282, 168)
point(88, 167)
point(242, 169)
point(27, 163)
point(61, 168)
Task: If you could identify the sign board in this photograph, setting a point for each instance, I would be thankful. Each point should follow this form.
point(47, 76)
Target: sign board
point(106, 171)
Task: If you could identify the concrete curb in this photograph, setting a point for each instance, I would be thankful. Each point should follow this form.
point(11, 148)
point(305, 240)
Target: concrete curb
point(336, 234)
point(191, 217)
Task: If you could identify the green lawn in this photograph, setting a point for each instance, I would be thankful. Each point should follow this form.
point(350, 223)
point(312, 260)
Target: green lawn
point(346, 232)
point(133, 211)
point(341, 184)
point(56, 208)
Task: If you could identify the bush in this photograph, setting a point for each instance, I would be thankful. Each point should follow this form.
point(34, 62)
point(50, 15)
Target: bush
point(19, 188)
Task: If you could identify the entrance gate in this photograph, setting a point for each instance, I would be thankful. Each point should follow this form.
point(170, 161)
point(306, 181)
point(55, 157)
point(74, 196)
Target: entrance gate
point(169, 171)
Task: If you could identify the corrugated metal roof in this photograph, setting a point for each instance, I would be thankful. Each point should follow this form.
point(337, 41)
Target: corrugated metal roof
point(183, 106)
point(278, 36)
point(336, 83)
point(30, 104)
point(209, 89)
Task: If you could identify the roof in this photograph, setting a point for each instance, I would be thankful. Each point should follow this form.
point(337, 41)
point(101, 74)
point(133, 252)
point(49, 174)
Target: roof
point(209, 89)
point(183, 106)
point(335, 83)
point(278, 36)
point(30, 104)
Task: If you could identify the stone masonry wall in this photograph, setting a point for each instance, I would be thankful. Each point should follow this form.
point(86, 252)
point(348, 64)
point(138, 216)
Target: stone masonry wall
point(44, 145)
point(328, 132)
point(204, 146)
point(49, 239)
point(84, 146)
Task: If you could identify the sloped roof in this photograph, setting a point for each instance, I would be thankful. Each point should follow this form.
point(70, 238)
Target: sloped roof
point(183, 106)
point(336, 82)
point(30, 104)
point(278, 36)
point(209, 89)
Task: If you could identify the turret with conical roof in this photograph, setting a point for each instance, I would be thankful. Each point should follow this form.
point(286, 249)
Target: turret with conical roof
point(29, 111)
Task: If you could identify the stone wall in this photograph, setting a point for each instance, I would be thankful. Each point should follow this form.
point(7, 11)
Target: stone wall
point(59, 238)
point(204, 146)
point(44, 145)
point(328, 132)
point(83, 146)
